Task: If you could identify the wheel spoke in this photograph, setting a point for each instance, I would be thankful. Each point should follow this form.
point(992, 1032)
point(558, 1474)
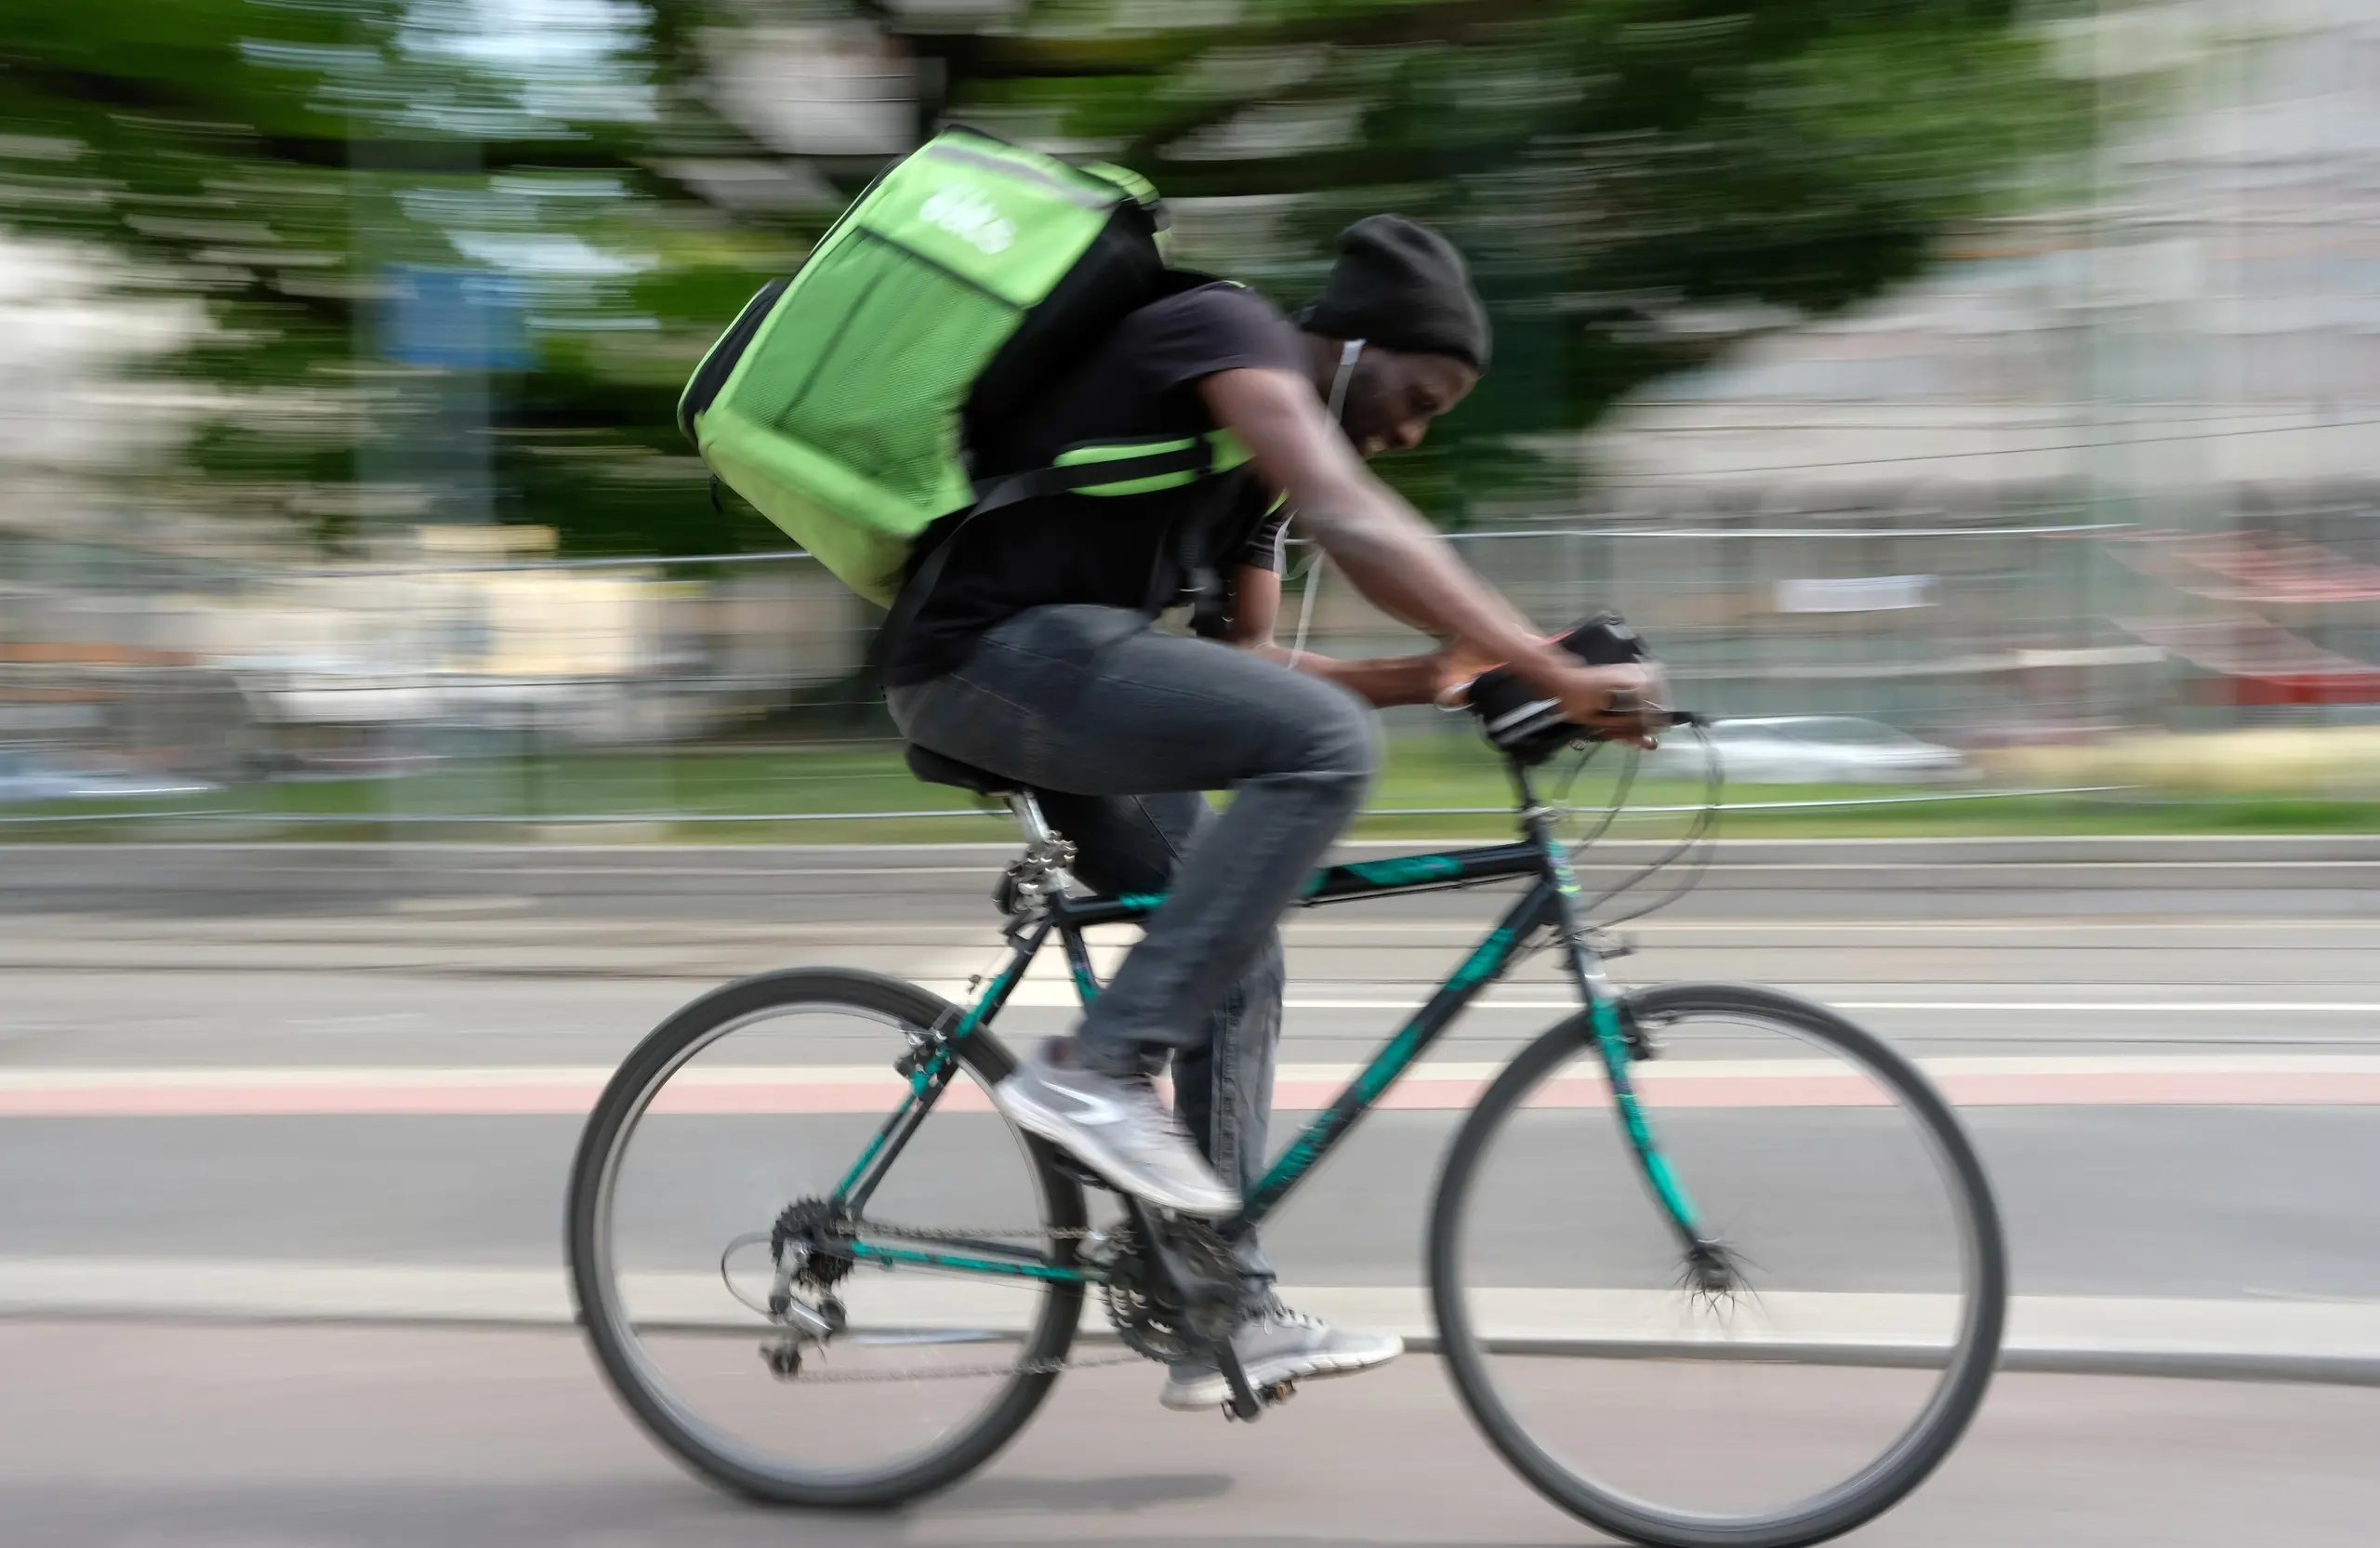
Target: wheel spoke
point(716, 1270)
point(1792, 1380)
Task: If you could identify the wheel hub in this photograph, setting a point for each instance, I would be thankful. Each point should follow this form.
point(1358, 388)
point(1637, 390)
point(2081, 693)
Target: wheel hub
point(805, 1227)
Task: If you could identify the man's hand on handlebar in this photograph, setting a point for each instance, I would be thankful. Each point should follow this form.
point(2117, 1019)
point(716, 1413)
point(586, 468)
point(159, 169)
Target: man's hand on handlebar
point(1619, 703)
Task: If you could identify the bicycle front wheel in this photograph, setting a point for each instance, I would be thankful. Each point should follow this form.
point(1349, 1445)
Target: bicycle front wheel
point(1867, 1278)
point(746, 1111)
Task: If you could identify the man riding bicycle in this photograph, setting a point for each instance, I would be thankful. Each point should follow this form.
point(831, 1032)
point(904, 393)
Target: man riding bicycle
point(1035, 655)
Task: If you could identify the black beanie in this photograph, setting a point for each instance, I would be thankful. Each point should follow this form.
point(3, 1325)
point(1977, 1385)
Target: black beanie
point(1401, 286)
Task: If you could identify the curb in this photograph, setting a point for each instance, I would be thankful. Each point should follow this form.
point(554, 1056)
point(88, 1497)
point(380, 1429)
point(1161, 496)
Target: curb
point(2323, 1341)
point(2189, 1365)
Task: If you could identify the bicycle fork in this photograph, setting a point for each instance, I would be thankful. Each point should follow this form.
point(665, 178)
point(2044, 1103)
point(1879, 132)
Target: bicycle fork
point(1621, 1044)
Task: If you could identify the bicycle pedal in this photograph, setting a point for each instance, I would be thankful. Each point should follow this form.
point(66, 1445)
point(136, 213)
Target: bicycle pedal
point(1266, 1397)
point(1242, 1401)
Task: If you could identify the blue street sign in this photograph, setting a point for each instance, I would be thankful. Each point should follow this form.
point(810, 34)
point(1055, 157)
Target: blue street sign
point(462, 318)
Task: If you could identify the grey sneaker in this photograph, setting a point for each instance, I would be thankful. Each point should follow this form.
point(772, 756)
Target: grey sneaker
point(1118, 1129)
point(1279, 1346)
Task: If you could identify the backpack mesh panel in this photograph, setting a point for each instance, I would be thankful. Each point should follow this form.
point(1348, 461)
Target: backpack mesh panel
point(875, 361)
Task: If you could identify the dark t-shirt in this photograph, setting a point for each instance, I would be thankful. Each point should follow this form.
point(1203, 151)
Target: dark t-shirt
point(1117, 551)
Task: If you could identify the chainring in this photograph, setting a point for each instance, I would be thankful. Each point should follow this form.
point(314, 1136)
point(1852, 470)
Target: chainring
point(1150, 1320)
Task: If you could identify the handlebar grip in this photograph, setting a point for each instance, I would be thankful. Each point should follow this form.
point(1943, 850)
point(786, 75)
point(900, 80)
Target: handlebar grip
point(1654, 716)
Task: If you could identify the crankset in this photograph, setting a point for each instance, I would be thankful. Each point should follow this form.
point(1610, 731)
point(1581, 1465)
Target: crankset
point(1173, 1292)
point(1171, 1285)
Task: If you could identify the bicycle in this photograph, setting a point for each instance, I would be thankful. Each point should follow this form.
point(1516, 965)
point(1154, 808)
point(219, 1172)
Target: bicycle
point(1772, 1353)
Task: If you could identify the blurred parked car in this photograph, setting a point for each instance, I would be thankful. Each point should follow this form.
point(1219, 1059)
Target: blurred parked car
point(26, 776)
point(1816, 750)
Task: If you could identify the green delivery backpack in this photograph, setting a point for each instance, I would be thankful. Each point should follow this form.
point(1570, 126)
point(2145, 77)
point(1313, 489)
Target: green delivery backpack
point(842, 400)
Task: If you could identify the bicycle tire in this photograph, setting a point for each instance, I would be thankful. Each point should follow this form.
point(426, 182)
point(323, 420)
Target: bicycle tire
point(1857, 1500)
point(604, 1319)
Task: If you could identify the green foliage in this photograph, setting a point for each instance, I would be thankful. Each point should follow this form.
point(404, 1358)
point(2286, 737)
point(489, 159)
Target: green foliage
point(1623, 173)
point(1629, 177)
point(274, 158)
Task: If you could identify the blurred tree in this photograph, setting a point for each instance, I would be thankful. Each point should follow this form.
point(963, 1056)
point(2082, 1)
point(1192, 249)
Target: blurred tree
point(279, 158)
point(1640, 184)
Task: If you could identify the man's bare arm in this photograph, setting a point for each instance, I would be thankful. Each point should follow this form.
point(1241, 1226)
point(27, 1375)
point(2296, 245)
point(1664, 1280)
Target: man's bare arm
point(1395, 558)
point(1381, 679)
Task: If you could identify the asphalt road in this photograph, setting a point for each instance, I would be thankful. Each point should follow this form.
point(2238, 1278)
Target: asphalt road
point(2256, 1203)
point(2193, 1136)
point(1874, 880)
point(342, 1438)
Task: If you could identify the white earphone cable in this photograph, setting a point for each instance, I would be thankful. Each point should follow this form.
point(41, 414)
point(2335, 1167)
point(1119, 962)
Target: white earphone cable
point(1347, 355)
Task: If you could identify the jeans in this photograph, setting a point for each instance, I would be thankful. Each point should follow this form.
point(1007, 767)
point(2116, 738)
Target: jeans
point(1117, 728)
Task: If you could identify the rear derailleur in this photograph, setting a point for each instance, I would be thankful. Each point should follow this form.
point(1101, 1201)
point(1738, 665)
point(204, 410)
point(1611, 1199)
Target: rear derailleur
point(804, 1264)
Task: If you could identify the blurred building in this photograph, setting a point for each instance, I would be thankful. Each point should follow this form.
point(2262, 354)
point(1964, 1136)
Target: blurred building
point(2113, 462)
point(2185, 361)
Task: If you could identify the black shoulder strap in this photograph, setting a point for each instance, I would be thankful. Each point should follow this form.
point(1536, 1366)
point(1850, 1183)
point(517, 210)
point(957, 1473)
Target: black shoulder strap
point(1198, 458)
point(1210, 607)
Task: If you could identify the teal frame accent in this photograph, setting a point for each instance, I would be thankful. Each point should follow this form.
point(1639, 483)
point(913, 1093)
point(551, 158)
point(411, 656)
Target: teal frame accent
point(1485, 963)
point(1403, 870)
point(1013, 1268)
point(1349, 883)
point(927, 1083)
point(1552, 904)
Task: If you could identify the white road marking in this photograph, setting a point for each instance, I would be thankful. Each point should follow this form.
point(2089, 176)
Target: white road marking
point(1038, 991)
point(2244, 1330)
point(788, 1090)
point(298, 1077)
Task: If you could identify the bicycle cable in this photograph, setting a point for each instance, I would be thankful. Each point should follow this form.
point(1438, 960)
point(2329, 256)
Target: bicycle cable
point(830, 1376)
point(1691, 848)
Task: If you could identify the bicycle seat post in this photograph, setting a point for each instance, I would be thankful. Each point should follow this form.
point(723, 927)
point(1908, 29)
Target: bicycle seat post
point(1038, 833)
point(1042, 871)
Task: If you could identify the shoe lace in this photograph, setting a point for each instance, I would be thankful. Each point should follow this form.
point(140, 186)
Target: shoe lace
point(1272, 1309)
point(1141, 1091)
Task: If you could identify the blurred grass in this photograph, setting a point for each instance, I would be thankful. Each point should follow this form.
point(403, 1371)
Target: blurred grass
point(647, 796)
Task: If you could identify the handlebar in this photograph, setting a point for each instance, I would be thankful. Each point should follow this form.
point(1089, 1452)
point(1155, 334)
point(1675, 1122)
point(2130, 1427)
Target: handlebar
point(1520, 720)
point(1656, 718)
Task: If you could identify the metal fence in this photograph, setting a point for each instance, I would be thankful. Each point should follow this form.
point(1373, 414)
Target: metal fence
point(436, 693)
point(2108, 464)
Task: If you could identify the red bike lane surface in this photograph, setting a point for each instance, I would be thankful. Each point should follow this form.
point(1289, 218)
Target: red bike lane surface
point(2146, 1080)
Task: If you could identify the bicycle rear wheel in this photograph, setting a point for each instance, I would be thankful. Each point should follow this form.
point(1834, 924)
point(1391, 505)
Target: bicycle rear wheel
point(718, 1123)
point(1870, 1277)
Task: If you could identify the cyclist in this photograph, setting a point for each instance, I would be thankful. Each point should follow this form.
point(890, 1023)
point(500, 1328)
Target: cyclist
point(1037, 656)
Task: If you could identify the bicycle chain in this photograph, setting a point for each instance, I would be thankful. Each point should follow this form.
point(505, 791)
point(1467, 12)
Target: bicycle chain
point(964, 1374)
point(948, 1232)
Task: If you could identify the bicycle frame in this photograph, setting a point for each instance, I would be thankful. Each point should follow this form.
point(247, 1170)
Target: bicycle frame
point(1552, 904)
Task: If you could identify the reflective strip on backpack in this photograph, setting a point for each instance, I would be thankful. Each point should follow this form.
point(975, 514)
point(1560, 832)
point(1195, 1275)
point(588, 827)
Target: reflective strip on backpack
point(1228, 452)
point(1223, 453)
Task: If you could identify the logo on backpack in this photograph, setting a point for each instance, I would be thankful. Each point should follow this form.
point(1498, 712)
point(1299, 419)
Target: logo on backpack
point(969, 217)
